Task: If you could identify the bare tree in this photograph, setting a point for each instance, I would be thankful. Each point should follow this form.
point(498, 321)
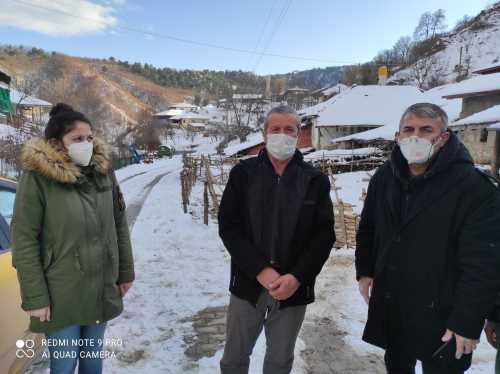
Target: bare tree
point(385, 57)
point(146, 136)
point(351, 75)
point(422, 31)
point(241, 115)
point(438, 22)
point(361, 74)
point(26, 86)
point(462, 23)
point(427, 72)
point(402, 50)
point(430, 25)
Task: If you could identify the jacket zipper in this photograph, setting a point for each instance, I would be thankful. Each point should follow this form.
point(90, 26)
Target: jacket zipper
point(273, 254)
point(234, 280)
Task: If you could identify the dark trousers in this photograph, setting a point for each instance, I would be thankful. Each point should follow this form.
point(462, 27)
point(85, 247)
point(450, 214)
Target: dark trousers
point(399, 356)
point(244, 325)
point(401, 363)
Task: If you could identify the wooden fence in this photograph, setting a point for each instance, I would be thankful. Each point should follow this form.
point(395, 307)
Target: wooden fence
point(348, 163)
point(212, 173)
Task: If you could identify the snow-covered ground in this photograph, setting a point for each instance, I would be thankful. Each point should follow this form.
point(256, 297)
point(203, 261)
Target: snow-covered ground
point(6, 130)
point(183, 268)
point(197, 143)
point(180, 267)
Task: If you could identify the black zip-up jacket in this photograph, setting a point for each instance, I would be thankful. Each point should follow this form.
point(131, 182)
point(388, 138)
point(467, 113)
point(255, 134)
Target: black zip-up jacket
point(441, 256)
point(306, 226)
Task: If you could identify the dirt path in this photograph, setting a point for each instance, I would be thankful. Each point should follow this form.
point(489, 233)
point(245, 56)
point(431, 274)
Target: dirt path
point(331, 331)
point(209, 333)
point(331, 344)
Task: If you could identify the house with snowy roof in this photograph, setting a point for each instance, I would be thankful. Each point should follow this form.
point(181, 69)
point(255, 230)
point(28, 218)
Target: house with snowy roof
point(477, 93)
point(490, 69)
point(174, 110)
point(30, 107)
point(383, 137)
point(255, 142)
point(297, 97)
point(5, 107)
point(478, 123)
point(185, 119)
point(326, 93)
point(356, 110)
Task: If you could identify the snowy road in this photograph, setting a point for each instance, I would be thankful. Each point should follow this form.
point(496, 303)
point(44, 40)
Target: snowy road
point(182, 273)
point(183, 269)
point(174, 314)
point(176, 260)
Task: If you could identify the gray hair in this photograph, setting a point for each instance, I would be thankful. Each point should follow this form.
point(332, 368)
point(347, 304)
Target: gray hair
point(282, 109)
point(426, 110)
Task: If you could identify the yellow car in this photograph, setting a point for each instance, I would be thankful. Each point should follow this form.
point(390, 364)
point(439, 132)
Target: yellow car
point(19, 348)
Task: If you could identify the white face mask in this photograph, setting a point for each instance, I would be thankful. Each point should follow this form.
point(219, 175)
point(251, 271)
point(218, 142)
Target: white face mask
point(417, 150)
point(81, 153)
point(281, 146)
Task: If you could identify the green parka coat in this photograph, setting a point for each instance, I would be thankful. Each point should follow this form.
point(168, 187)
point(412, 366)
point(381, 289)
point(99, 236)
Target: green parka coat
point(70, 239)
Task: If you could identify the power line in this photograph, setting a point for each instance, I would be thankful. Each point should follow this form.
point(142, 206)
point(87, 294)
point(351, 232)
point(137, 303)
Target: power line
point(278, 23)
point(265, 27)
point(189, 41)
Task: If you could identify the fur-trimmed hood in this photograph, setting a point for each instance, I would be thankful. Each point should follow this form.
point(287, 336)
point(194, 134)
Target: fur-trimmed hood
point(49, 160)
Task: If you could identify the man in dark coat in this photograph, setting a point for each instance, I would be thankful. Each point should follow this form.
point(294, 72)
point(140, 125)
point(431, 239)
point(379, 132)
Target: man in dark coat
point(428, 248)
point(276, 221)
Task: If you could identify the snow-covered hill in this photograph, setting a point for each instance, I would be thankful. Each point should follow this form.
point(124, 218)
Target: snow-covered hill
point(473, 47)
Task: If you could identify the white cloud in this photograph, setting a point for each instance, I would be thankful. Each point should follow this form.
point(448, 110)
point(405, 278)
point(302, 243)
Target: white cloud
point(54, 17)
point(116, 2)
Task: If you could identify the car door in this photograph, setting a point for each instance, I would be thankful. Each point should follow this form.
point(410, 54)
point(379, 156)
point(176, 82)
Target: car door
point(14, 321)
point(7, 196)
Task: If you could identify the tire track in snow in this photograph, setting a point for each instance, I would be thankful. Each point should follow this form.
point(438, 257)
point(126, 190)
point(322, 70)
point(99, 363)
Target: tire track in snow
point(135, 208)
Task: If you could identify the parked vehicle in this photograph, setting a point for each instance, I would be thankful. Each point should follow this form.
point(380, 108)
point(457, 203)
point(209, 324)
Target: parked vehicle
point(14, 358)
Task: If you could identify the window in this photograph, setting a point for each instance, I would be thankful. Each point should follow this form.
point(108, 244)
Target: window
point(7, 204)
point(483, 138)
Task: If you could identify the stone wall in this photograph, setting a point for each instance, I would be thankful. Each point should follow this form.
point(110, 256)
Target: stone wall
point(470, 135)
point(475, 104)
point(326, 134)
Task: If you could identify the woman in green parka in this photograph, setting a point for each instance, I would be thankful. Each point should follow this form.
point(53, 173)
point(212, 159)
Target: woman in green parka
point(71, 243)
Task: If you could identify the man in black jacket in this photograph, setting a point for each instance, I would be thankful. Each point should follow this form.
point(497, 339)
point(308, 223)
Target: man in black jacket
point(428, 248)
point(276, 221)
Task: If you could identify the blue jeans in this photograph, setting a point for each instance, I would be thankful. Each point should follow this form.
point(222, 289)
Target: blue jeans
point(76, 344)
